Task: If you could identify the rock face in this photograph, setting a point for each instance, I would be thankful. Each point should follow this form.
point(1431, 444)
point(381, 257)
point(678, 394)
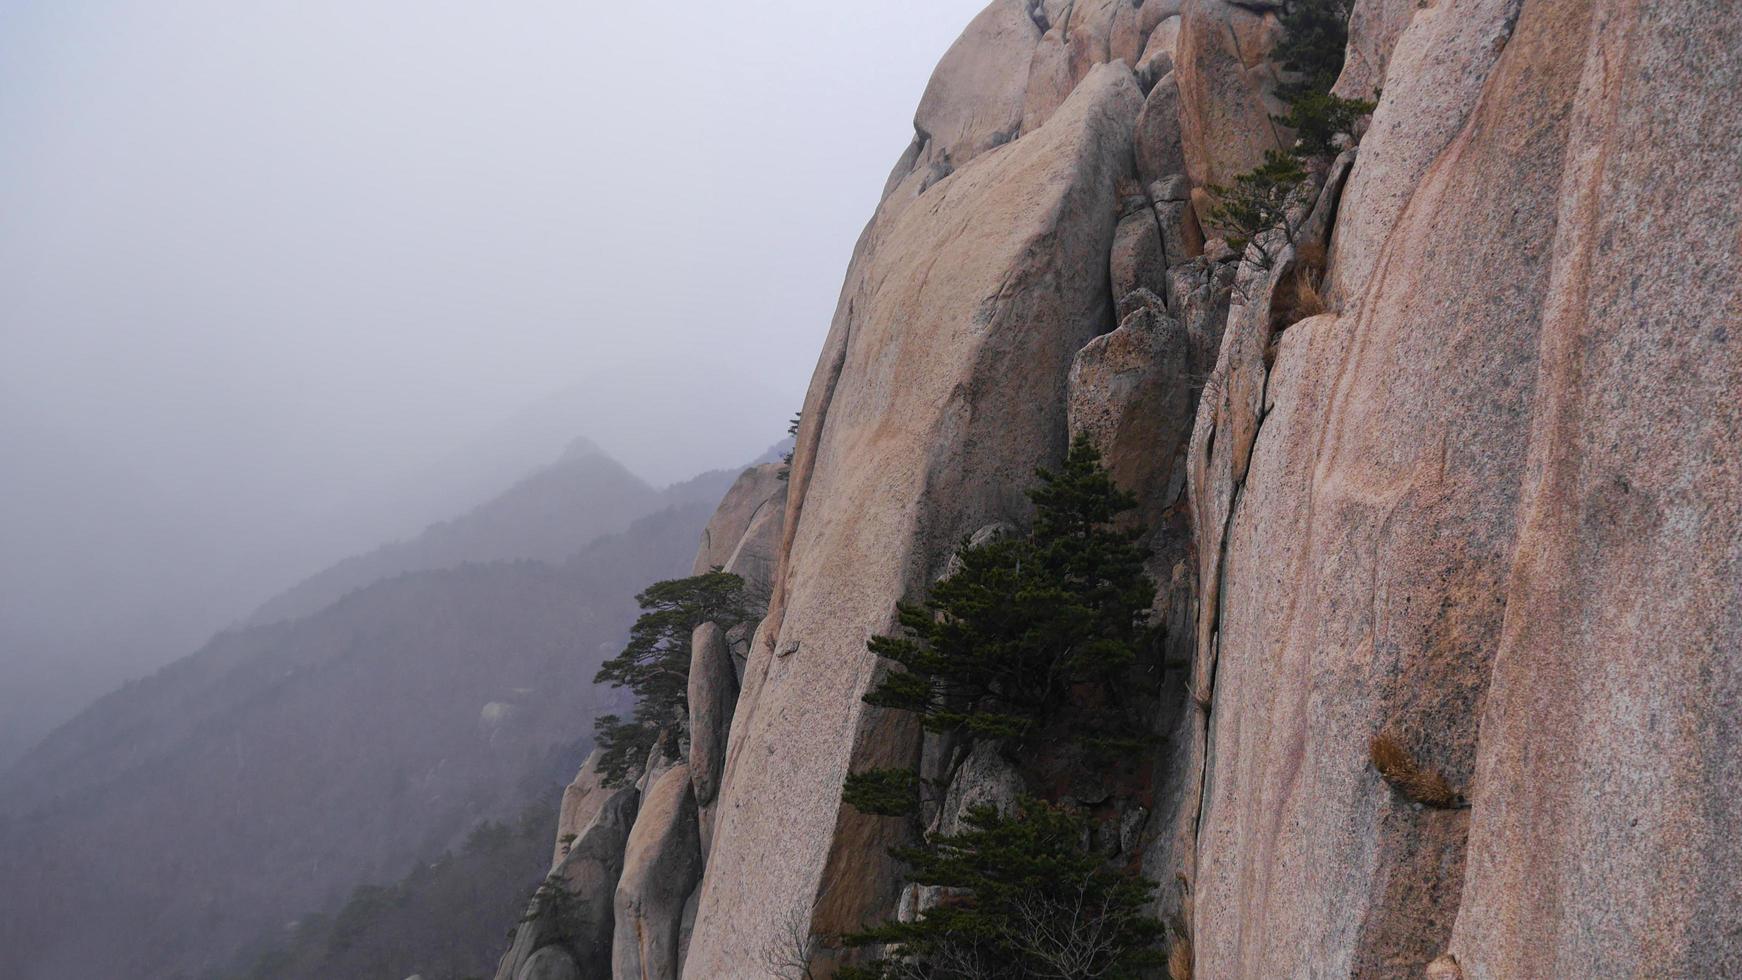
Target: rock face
point(742, 528)
point(572, 914)
point(1130, 392)
point(621, 898)
point(582, 800)
point(661, 865)
point(906, 445)
point(1442, 59)
point(549, 963)
point(1226, 89)
point(1484, 512)
point(713, 695)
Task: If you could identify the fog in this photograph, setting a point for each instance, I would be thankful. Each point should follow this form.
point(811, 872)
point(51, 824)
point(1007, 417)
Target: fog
point(266, 267)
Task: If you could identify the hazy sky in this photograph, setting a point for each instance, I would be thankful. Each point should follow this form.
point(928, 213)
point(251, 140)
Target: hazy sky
point(259, 258)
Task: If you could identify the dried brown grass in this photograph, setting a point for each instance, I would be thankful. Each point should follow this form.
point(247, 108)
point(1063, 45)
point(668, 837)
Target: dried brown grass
point(1307, 301)
point(1179, 959)
point(1408, 776)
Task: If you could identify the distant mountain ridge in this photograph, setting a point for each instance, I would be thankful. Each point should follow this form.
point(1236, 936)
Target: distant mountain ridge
point(361, 723)
point(283, 764)
point(547, 515)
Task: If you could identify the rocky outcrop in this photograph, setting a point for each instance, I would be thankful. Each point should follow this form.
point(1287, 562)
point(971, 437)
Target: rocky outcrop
point(621, 898)
point(1449, 473)
point(582, 799)
point(661, 865)
point(550, 963)
point(1226, 90)
point(569, 923)
point(713, 695)
point(1130, 391)
point(738, 537)
point(1454, 526)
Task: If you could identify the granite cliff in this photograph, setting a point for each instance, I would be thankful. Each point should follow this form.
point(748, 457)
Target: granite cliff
point(1449, 469)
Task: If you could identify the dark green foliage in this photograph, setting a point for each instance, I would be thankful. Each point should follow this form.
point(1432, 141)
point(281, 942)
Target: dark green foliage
point(1024, 898)
point(624, 745)
point(1317, 118)
point(656, 665)
point(883, 792)
point(1315, 36)
point(786, 458)
point(1257, 203)
point(1000, 646)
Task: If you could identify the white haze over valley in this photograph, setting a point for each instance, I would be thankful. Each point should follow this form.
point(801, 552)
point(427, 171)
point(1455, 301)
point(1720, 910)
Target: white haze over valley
point(283, 280)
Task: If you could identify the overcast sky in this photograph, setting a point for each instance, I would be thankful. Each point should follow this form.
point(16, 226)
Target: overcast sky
point(259, 259)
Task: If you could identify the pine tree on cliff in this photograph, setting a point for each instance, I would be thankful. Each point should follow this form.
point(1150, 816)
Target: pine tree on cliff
point(1026, 628)
point(655, 666)
point(1315, 35)
point(998, 647)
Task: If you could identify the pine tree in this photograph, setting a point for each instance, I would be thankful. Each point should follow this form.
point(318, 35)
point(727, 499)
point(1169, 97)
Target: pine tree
point(1316, 34)
point(656, 666)
point(997, 648)
point(1258, 203)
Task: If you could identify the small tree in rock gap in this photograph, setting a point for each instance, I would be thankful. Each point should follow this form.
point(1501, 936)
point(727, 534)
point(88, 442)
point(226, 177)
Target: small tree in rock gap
point(1024, 897)
point(1258, 203)
point(1315, 37)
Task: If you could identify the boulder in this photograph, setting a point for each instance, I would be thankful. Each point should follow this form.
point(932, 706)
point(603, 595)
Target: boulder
point(582, 799)
point(573, 910)
point(1089, 37)
point(550, 963)
point(753, 557)
point(984, 777)
point(1131, 392)
point(756, 492)
point(1156, 62)
point(1160, 149)
point(907, 444)
point(1199, 293)
point(975, 98)
point(660, 759)
point(1137, 260)
point(1226, 89)
point(661, 865)
point(713, 695)
point(1049, 80)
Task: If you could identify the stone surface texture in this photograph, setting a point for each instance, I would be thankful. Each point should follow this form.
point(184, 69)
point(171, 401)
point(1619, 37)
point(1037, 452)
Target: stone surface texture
point(940, 388)
point(713, 695)
point(662, 862)
point(755, 495)
point(578, 921)
point(1486, 509)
